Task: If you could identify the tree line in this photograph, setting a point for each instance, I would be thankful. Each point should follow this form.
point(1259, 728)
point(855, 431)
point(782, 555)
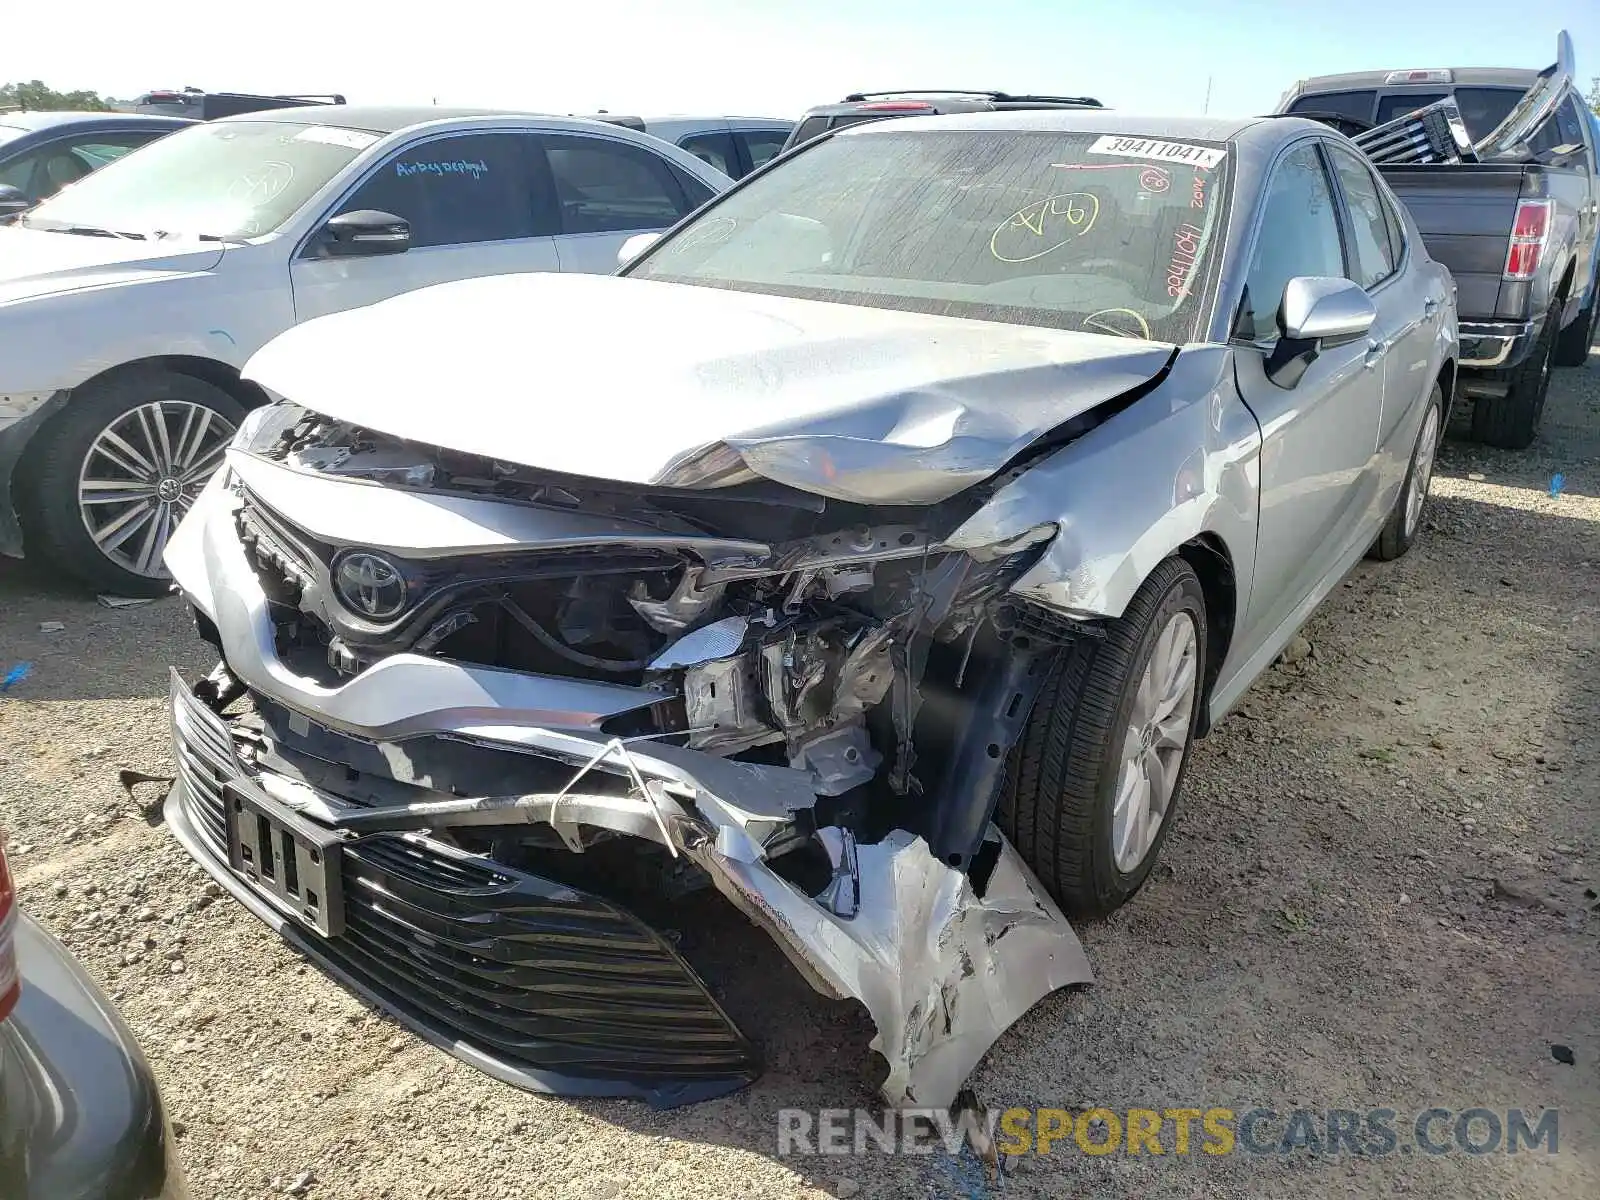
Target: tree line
point(34, 96)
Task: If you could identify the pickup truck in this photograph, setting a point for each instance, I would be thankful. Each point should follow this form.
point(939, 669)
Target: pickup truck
point(1512, 215)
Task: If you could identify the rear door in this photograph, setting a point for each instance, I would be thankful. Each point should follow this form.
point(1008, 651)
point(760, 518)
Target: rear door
point(1409, 305)
point(476, 207)
point(607, 190)
point(1318, 437)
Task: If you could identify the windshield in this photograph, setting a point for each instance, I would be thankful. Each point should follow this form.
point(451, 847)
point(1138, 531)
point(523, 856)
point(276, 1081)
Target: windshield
point(232, 179)
point(1074, 231)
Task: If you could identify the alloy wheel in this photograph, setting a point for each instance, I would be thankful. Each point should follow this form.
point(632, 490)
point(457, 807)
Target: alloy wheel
point(141, 475)
point(1155, 741)
point(1422, 468)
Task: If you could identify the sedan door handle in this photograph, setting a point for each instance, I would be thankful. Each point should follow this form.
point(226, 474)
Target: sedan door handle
point(1374, 355)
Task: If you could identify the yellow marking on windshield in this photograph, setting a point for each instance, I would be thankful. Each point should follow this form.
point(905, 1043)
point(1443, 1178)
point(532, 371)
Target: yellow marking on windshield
point(1079, 209)
point(1092, 321)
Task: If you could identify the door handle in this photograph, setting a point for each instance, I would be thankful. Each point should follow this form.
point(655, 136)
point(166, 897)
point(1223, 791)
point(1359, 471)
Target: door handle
point(1374, 355)
point(1430, 306)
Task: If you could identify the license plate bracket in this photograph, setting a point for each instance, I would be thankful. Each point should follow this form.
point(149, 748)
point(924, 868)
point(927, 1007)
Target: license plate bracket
point(290, 860)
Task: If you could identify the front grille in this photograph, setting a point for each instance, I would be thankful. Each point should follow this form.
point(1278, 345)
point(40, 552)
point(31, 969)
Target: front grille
point(547, 986)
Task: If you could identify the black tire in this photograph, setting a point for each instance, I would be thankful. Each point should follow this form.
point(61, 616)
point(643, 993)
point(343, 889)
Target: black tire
point(1396, 538)
point(1060, 790)
point(1511, 422)
point(1573, 342)
point(53, 526)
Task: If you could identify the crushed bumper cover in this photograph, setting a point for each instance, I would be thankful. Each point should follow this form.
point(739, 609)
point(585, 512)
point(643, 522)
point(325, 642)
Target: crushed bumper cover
point(552, 987)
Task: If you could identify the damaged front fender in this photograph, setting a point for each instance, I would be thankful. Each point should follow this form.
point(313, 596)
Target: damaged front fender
point(942, 970)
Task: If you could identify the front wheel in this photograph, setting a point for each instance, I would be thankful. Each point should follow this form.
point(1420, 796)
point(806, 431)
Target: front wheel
point(1092, 788)
point(117, 469)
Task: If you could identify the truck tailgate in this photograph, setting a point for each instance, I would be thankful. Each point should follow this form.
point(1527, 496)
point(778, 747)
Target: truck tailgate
point(1465, 212)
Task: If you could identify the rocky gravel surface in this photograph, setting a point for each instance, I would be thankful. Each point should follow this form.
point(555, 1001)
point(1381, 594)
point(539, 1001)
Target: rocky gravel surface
point(1381, 894)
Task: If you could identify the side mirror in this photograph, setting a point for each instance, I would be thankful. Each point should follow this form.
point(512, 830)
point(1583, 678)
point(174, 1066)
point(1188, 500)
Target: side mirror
point(1317, 312)
point(365, 232)
point(13, 200)
point(635, 246)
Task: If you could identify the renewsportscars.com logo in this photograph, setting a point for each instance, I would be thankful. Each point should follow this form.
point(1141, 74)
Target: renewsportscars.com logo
point(1366, 1133)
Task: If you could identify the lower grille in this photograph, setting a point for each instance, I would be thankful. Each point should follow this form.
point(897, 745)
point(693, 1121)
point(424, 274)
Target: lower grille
point(546, 986)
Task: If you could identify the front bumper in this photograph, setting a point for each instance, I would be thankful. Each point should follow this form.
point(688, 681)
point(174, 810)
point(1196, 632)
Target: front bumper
point(537, 984)
point(480, 958)
point(1494, 345)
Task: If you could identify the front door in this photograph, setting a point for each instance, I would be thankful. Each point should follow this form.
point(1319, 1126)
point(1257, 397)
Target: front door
point(1318, 437)
point(475, 208)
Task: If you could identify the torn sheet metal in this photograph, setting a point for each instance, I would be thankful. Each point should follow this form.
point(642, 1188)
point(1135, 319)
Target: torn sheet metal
point(942, 971)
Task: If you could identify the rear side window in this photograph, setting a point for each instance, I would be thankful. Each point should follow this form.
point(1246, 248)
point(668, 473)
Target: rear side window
point(714, 148)
point(1373, 260)
point(604, 186)
point(809, 128)
point(1341, 104)
point(455, 190)
point(1299, 235)
point(762, 146)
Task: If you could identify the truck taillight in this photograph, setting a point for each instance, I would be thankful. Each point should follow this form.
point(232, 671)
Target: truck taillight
point(10, 983)
point(1529, 233)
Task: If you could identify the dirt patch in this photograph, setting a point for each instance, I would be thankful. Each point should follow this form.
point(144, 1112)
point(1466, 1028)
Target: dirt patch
point(1379, 895)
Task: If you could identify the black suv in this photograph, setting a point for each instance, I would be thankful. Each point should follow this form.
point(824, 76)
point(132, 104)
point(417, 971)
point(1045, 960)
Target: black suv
point(876, 106)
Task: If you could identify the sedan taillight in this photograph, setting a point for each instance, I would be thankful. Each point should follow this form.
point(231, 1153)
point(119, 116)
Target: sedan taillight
point(10, 983)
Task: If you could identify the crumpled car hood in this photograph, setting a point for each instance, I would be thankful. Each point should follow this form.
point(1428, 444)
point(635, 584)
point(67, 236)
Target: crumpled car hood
point(656, 383)
point(34, 262)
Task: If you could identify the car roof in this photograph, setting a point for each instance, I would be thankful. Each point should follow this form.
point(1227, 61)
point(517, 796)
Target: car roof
point(51, 120)
point(373, 118)
point(387, 119)
point(1068, 120)
point(1517, 77)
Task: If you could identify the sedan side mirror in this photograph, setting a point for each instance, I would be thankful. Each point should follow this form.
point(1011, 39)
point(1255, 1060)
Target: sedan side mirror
point(13, 200)
point(635, 246)
point(1317, 312)
point(365, 231)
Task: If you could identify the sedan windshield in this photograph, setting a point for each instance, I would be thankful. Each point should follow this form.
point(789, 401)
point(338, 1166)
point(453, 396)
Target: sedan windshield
point(1074, 231)
point(227, 180)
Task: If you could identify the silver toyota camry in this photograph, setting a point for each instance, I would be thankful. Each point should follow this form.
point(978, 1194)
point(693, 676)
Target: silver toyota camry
point(870, 550)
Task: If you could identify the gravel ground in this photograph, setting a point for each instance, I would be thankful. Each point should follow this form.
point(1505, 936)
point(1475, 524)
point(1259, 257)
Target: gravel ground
point(1375, 897)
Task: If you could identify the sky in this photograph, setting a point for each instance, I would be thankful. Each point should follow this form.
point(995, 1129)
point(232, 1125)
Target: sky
point(772, 58)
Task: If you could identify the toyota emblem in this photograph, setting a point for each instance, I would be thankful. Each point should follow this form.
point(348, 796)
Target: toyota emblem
point(370, 585)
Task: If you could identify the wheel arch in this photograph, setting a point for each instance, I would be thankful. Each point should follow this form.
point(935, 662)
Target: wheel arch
point(219, 374)
point(1447, 385)
point(1208, 556)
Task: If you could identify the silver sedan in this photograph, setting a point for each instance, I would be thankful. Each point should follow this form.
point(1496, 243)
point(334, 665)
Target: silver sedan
point(871, 549)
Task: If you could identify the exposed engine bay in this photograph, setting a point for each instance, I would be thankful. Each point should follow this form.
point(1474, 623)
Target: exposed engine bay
point(804, 703)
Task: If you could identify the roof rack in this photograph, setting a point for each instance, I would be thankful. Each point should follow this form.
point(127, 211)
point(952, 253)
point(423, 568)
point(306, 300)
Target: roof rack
point(997, 97)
